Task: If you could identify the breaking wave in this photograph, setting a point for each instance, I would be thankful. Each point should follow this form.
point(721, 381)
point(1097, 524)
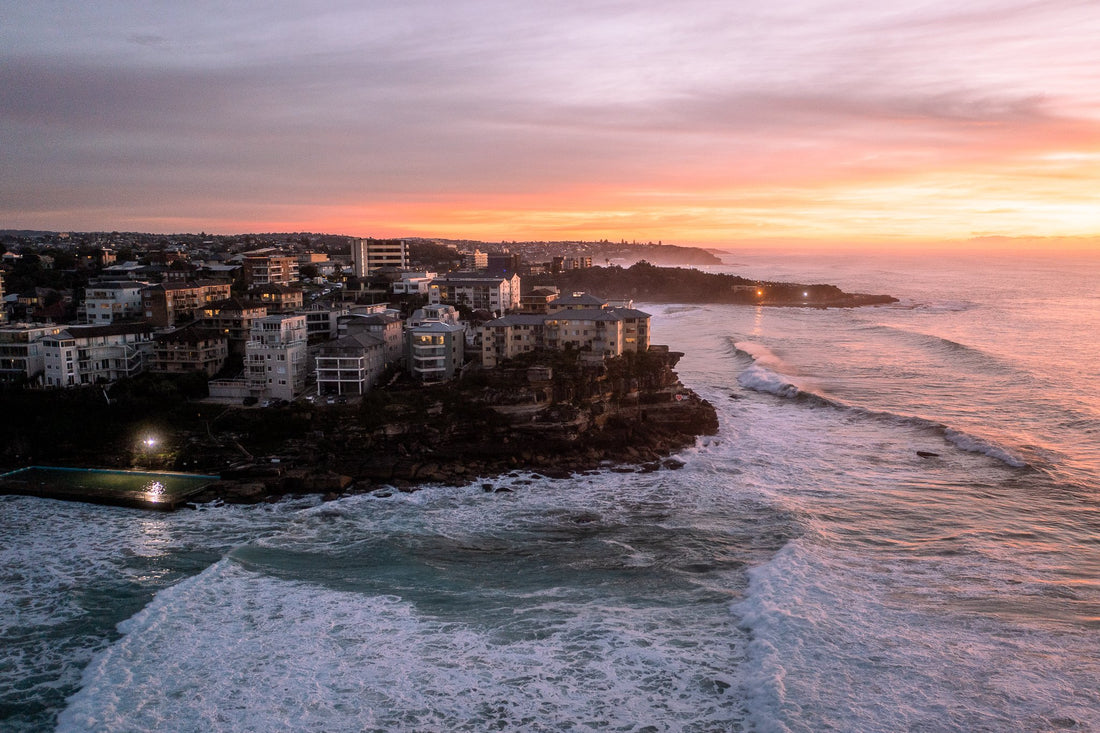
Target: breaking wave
point(759, 378)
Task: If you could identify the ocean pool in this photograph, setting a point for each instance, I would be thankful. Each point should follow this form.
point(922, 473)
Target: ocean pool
point(145, 489)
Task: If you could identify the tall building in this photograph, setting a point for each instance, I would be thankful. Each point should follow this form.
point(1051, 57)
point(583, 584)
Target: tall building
point(276, 356)
point(367, 255)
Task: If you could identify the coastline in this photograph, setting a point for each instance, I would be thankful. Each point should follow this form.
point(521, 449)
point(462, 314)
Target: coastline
point(637, 432)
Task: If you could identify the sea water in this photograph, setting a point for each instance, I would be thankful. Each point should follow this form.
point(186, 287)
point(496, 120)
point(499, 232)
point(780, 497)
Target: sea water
point(807, 570)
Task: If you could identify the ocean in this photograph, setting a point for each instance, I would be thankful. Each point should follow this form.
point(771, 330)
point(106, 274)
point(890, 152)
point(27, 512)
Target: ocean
point(897, 528)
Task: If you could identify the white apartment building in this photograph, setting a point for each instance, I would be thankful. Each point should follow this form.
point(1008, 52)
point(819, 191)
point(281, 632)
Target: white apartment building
point(495, 293)
point(111, 302)
point(96, 354)
point(414, 283)
point(276, 356)
point(21, 356)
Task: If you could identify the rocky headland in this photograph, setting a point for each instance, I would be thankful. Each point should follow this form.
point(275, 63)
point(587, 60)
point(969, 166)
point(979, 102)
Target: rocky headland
point(551, 419)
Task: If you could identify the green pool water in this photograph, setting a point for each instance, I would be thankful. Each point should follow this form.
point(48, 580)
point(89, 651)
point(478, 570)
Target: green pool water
point(139, 488)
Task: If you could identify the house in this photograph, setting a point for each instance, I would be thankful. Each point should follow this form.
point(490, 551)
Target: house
point(494, 293)
point(96, 354)
point(350, 365)
point(276, 358)
point(434, 350)
point(189, 349)
point(167, 304)
point(109, 302)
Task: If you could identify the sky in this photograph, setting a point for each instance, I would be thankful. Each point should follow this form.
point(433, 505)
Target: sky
point(824, 122)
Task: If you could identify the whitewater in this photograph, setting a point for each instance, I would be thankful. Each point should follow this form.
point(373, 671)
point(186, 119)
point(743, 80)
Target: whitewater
point(897, 528)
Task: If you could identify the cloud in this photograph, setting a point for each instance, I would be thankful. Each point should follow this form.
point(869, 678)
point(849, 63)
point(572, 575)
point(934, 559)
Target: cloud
point(288, 105)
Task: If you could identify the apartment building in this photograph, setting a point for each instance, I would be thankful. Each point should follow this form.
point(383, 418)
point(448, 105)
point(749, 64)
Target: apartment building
point(368, 255)
point(96, 354)
point(21, 356)
point(497, 294)
point(169, 304)
point(270, 267)
point(276, 358)
point(350, 365)
point(110, 302)
point(572, 323)
point(192, 348)
point(434, 350)
point(233, 318)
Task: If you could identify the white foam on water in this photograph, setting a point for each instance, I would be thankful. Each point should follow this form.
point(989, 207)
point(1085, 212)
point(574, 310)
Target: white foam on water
point(232, 649)
point(973, 444)
point(71, 571)
point(839, 642)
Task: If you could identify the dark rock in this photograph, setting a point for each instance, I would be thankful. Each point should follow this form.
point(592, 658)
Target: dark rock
point(672, 464)
point(927, 454)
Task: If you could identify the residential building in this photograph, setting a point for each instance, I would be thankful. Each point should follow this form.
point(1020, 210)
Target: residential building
point(350, 365)
point(476, 260)
point(189, 349)
point(21, 356)
point(96, 354)
point(497, 294)
point(574, 322)
point(575, 301)
point(387, 328)
point(270, 267)
point(503, 263)
point(110, 302)
point(413, 283)
point(234, 318)
point(538, 300)
point(561, 264)
point(276, 357)
point(322, 319)
point(367, 255)
point(168, 304)
point(436, 312)
point(278, 298)
point(435, 350)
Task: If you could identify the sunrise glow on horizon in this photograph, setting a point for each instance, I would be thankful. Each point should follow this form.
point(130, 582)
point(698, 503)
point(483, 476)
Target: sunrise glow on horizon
point(828, 122)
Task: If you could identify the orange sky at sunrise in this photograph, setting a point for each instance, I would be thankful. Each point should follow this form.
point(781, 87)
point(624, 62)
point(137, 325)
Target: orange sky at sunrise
point(826, 123)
